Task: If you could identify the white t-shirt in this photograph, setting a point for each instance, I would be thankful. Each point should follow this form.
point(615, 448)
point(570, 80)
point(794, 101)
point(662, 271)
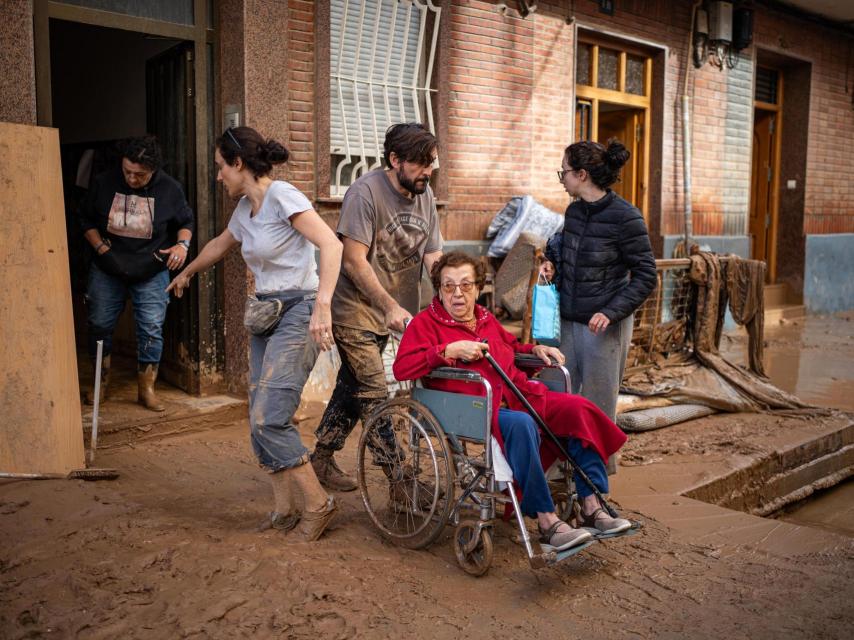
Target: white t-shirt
point(279, 256)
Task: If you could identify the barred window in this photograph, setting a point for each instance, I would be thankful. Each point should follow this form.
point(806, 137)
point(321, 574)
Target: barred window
point(381, 72)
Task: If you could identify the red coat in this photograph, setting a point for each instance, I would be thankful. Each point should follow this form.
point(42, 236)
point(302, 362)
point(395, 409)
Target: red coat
point(567, 415)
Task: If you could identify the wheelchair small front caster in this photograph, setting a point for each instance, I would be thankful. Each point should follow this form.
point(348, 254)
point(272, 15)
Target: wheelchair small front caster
point(473, 547)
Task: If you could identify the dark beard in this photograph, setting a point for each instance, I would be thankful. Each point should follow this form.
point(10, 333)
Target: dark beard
point(414, 187)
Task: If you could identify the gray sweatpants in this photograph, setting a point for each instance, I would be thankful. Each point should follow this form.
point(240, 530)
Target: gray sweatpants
point(596, 363)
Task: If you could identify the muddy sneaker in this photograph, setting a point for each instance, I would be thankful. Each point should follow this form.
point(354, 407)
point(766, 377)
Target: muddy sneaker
point(283, 522)
point(604, 523)
point(329, 473)
point(560, 537)
point(314, 523)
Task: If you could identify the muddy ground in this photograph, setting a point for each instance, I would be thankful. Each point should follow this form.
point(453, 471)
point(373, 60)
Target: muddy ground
point(170, 550)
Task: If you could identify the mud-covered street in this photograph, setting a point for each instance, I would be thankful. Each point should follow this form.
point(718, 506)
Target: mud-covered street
point(170, 549)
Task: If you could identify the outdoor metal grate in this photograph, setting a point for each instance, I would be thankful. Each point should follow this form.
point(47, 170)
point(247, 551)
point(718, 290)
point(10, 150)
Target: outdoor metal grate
point(661, 322)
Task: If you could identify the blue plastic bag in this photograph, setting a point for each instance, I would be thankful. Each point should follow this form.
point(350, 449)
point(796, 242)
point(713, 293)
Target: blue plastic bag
point(545, 317)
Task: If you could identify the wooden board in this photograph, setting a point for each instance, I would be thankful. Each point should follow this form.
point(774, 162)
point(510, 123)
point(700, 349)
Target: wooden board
point(40, 426)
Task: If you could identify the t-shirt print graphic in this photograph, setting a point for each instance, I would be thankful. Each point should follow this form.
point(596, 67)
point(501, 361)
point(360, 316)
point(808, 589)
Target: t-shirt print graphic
point(131, 216)
point(400, 241)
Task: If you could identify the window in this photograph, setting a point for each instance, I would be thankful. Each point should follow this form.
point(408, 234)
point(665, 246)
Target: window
point(766, 85)
point(381, 72)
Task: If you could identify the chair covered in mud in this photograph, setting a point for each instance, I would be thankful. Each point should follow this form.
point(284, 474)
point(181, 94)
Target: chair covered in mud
point(429, 460)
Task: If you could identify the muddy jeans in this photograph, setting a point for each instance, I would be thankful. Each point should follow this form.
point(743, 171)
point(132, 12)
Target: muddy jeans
point(359, 388)
point(279, 365)
point(105, 300)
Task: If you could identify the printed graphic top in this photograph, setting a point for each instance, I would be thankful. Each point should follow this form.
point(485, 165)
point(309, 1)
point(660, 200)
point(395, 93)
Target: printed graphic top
point(279, 256)
point(136, 221)
point(398, 231)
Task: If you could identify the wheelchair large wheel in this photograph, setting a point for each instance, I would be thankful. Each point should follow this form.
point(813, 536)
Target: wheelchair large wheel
point(405, 473)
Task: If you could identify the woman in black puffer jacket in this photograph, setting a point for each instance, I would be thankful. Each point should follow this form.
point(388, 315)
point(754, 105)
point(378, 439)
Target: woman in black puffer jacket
point(604, 269)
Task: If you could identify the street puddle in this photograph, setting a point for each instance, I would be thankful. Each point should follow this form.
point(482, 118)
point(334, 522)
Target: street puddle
point(831, 510)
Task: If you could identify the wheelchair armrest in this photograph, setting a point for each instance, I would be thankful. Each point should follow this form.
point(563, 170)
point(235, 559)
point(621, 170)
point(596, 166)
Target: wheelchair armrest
point(454, 373)
point(530, 361)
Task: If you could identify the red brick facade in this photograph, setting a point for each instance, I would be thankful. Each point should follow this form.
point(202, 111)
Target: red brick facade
point(509, 88)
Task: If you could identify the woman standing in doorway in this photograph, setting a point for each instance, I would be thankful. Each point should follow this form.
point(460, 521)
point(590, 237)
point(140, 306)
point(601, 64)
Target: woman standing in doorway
point(277, 230)
point(139, 225)
point(604, 270)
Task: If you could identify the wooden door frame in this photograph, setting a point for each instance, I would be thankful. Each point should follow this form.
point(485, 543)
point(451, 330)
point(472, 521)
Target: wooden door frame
point(776, 153)
point(594, 95)
point(210, 336)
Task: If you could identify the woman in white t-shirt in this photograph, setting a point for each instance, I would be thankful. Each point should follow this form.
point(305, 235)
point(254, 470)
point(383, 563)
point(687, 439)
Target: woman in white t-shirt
point(277, 230)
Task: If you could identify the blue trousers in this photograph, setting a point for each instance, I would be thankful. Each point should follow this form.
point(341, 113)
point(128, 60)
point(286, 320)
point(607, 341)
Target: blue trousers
point(279, 365)
point(106, 296)
point(522, 450)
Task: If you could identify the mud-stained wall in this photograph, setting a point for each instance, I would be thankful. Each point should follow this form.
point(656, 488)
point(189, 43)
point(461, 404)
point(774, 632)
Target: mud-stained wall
point(17, 60)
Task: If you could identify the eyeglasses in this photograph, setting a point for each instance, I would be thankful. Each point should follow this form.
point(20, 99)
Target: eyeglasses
point(465, 286)
point(562, 172)
point(233, 139)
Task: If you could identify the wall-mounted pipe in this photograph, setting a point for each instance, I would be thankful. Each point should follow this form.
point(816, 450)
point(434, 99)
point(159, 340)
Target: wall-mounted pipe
point(686, 134)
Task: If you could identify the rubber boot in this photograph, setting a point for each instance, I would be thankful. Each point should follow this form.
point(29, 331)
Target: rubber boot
point(89, 398)
point(145, 377)
point(329, 473)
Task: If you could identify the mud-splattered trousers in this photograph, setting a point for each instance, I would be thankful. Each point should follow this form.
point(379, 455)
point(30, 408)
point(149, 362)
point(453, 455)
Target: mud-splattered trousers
point(105, 299)
point(279, 365)
point(359, 388)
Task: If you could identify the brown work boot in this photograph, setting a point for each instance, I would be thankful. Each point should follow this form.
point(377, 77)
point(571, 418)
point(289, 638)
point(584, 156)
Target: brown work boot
point(89, 398)
point(329, 473)
point(145, 377)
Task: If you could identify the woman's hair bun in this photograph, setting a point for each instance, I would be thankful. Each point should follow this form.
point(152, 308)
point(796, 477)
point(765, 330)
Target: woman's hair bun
point(275, 152)
point(616, 155)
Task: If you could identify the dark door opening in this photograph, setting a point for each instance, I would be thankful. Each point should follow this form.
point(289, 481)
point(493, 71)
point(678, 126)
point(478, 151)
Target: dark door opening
point(108, 85)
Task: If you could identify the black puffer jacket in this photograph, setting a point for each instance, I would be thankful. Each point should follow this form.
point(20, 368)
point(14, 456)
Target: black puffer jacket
point(603, 260)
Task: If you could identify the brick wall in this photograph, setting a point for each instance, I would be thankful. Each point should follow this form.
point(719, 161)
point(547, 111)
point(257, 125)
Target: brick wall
point(509, 90)
point(829, 202)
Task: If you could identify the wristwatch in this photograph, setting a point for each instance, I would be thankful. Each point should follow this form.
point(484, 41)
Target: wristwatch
point(185, 243)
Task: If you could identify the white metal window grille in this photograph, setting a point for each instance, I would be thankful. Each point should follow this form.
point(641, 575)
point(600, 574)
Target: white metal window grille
point(381, 55)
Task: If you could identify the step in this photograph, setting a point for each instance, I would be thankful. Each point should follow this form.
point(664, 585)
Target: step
point(776, 295)
point(774, 315)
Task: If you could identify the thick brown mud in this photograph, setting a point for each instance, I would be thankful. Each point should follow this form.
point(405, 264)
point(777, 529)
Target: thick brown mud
point(169, 550)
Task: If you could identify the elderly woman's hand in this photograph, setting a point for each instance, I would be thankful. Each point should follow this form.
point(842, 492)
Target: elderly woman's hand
point(546, 354)
point(467, 350)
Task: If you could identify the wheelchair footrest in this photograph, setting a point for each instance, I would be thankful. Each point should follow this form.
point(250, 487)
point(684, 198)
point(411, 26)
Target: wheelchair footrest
point(636, 526)
point(551, 558)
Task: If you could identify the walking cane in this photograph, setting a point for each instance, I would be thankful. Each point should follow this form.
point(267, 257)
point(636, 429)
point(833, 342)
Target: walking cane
point(542, 424)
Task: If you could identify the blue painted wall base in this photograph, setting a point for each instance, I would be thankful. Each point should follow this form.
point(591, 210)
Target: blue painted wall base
point(829, 273)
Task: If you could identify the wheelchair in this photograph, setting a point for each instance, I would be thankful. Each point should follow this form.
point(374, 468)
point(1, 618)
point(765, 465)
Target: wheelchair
point(429, 460)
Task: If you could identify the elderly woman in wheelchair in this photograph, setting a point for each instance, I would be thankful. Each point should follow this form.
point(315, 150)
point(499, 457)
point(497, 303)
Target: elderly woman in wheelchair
point(444, 346)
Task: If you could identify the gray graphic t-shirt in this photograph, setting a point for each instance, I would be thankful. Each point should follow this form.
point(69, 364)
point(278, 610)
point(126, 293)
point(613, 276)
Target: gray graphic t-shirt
point(398, 231)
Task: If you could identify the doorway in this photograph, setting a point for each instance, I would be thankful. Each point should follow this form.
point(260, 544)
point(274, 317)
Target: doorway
point(765, 167)
point(108, 85)
point(613, 100)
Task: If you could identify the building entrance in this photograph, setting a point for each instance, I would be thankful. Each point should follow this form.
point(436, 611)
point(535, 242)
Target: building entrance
point(108, 85)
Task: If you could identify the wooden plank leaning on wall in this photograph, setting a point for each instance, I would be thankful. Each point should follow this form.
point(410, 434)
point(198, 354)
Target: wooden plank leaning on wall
point(39, 393)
